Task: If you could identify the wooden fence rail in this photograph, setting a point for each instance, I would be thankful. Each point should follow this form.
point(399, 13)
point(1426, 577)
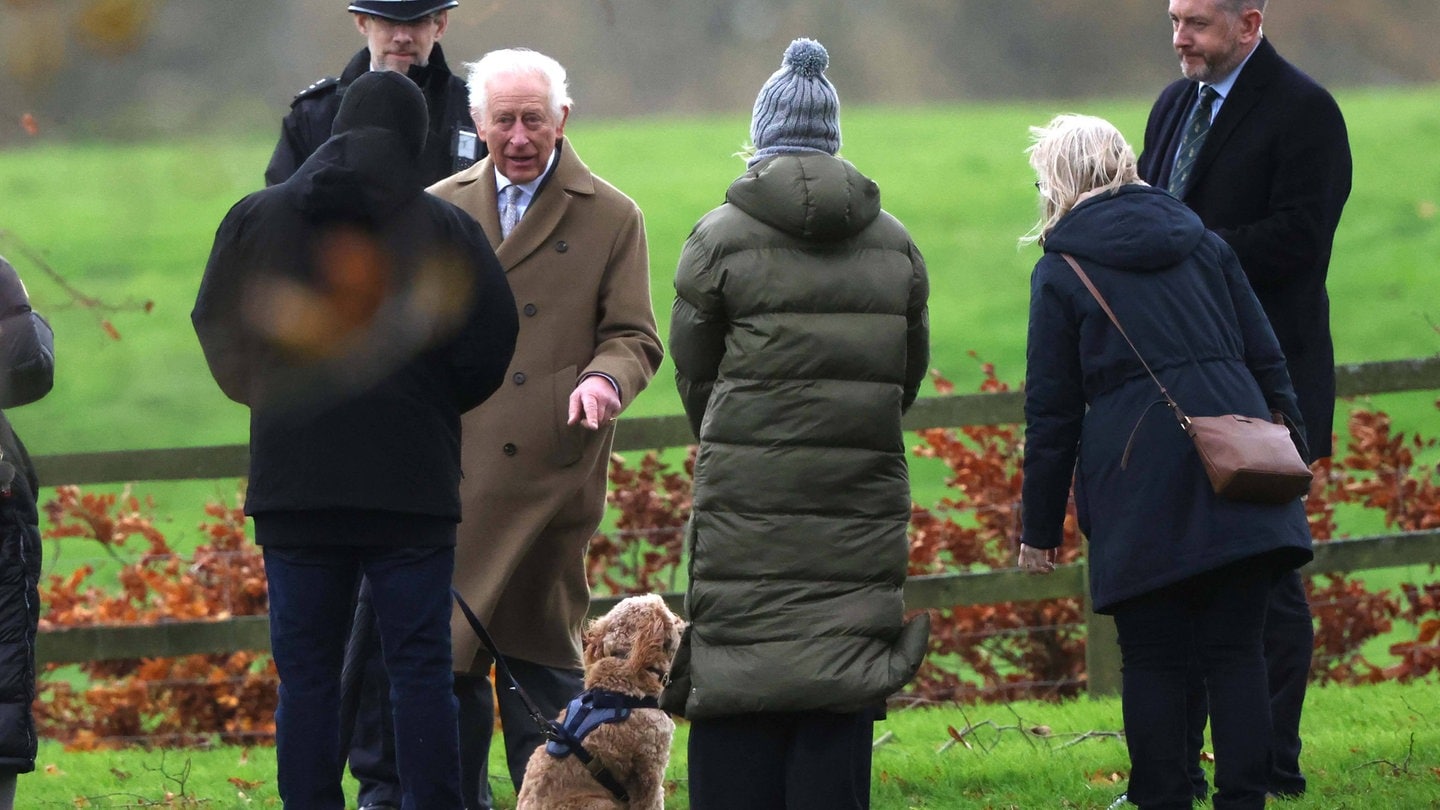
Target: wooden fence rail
point(75, 644)
point(657, 432)
point(937, 591)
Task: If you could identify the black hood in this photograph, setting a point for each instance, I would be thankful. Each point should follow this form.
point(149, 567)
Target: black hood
point(386, 100)
point(370, 164)
point(1134, 228)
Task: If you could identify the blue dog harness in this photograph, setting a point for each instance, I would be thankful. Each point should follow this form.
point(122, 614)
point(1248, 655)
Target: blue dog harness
point(601, 705)
point(590, 710)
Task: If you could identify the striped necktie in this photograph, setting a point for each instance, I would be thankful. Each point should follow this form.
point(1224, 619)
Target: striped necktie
point(1190, 143)
point(509, 209)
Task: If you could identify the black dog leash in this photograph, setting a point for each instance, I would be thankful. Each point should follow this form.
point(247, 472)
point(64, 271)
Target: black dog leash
point(553, 731)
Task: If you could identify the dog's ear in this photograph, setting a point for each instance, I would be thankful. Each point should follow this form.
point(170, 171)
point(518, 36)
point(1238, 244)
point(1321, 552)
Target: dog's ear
point(595, 639)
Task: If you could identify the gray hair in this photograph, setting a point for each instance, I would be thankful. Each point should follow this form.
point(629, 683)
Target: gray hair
point(1235, 8)
point(510, 61)
point(1072, 156)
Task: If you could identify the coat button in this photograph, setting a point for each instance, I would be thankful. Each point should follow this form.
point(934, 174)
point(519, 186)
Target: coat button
point(509, 449)
point(530, 310)
point(562, 246)
point(519, 378)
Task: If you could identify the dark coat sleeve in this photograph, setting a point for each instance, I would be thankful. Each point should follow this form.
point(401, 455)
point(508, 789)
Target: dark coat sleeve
point(27, 345)
point(303, 129)
point(1054, 409)
point(290, 151)
point(697, 328)
point(217, 317)
point(917, 332)
point(1262, 351)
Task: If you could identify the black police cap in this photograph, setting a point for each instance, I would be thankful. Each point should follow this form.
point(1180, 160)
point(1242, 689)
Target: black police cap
point(401, 10)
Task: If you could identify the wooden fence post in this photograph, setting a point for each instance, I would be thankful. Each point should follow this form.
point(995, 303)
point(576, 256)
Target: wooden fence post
point(1102, 649)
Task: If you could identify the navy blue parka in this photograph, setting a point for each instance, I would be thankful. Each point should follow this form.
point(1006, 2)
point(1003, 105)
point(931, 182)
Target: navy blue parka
point(27, 372)
point(1181, 295)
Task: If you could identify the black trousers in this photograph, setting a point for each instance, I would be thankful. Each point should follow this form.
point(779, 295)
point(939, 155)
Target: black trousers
point(781, 761)
point(367, 729)
point(1217, 619)
point(1289, 644)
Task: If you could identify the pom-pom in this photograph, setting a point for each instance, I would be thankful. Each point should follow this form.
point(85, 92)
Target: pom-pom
point(807, 57)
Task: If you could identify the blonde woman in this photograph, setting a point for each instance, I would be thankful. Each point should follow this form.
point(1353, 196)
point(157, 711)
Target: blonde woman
point(1184, 572)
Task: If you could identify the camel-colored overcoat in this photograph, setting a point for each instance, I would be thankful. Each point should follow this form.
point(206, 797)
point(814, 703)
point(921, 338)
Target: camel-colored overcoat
point(533, 490)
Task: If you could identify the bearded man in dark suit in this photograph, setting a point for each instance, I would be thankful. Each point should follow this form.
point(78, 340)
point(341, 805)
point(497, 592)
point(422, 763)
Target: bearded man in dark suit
point(1268, 169)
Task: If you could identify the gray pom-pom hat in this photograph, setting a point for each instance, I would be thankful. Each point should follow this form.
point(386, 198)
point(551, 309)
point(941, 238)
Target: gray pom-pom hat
point(797, 109)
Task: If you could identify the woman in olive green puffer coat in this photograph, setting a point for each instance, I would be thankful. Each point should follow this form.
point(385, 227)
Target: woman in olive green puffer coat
point(799, 337)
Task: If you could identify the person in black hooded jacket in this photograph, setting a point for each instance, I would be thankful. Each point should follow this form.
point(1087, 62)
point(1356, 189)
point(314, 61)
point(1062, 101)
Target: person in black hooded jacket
point(358, 317)
point(1183, 571)
point(27, 371)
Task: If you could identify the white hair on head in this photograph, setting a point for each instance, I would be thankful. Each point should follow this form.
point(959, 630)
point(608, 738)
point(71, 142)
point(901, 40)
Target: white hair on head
point(1074, 155)
point(510, 61)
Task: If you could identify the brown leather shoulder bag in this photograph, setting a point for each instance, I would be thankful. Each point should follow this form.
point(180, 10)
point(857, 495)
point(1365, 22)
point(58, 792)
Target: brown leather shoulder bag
point(1246, 458)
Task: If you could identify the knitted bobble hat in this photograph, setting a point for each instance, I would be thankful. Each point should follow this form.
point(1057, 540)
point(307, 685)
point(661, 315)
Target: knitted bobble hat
point(797, 109)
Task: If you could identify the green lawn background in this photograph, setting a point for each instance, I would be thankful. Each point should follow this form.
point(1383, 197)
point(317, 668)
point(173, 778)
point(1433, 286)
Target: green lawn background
point(1365, 747)
point(132, 223)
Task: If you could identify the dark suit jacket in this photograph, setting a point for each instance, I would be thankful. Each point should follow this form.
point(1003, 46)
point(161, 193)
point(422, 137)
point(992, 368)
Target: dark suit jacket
point(1271, 180)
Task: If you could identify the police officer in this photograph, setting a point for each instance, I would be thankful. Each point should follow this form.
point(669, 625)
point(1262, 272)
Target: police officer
point(403, 36)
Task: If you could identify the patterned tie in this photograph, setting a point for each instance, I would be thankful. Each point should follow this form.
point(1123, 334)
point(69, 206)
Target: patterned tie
point(1191, 141)
point(509, 209)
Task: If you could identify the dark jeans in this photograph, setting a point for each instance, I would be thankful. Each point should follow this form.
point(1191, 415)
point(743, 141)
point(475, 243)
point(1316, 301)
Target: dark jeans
point(1289, 644)
point(781, 761)
point(367, 728)
point(311, 591)
point(1215, 620)
point(371, 751)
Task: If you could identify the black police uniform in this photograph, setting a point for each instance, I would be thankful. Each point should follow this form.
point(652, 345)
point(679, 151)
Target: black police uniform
point(451, 146)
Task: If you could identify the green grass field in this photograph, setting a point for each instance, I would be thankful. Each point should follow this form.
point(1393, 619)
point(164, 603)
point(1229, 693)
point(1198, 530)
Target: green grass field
point(138, 227)
point(1366, 747)
point(138, 224)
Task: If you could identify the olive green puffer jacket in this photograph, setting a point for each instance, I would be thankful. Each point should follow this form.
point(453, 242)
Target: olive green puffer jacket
point(799, 336)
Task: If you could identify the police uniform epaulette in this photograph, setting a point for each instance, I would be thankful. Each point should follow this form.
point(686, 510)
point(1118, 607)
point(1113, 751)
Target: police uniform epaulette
point(316, 89)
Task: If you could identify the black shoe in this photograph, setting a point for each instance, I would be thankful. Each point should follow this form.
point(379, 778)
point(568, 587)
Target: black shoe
point(380, 806)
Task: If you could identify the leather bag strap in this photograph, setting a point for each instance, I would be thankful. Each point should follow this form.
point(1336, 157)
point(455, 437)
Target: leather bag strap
point(1164, 392)
point(1105, 305)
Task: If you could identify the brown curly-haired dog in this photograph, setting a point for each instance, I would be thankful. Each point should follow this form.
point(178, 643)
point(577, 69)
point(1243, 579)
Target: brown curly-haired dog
point(627, 651)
